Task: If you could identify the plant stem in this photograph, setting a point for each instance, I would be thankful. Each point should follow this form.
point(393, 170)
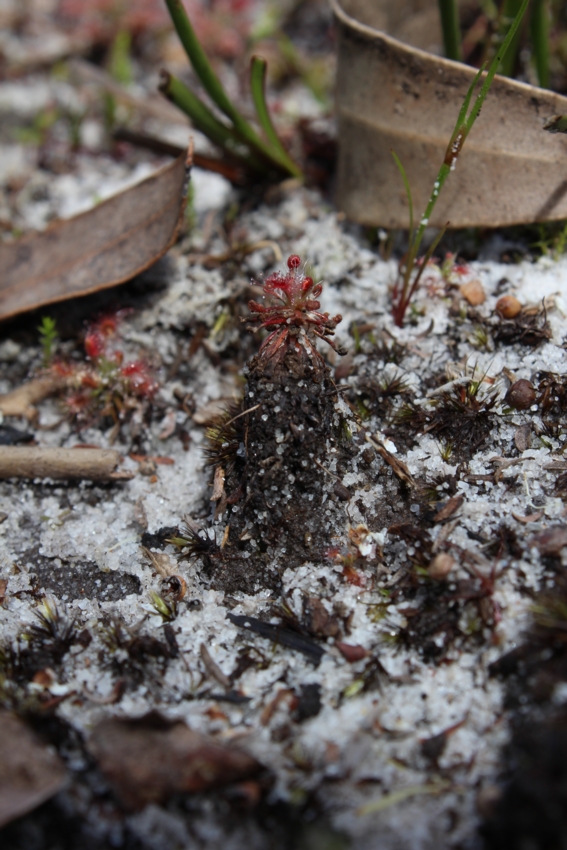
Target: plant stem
point(258, 69)
point(508, 61)
point(216, 92)
point(205, 121)
point(451, 29)
point(540, 40)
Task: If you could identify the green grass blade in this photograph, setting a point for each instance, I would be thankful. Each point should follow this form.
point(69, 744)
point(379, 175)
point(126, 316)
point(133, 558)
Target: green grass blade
point(258, 90)
point(463, 126)
point(427, 257)
point(500, 54)
point(198, 58)
point(539, 26)
point(205, 121)
point(509, 57)
point(467, 101)
point(451, 29)
point(213, 86)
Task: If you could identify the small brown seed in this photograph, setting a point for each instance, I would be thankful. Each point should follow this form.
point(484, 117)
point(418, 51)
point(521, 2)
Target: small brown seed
point(508, 306)
point(441, 566)
point(521, 395)
point(473, 292)
point(341, 491)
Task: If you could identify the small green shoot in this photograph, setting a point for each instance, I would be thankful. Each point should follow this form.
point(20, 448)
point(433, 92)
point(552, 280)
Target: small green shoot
point(166, 608)
point(539, 30)
point(237, 138)
point(508, 61)
point(451, 31)
point(355, 334)
point(406, 287)
point(38, 132)
point(120, 66)
point(480, 338)
point(48, 337)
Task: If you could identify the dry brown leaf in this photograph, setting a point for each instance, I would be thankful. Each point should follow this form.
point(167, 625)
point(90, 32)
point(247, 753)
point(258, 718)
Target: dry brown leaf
point(537, 515)
point(319, 621)
point(398, 467)
point(522, 437)
point(31, 772)
point(451, 505)
point(218, 484)
point(391, 96)
point(213, 668)
point(148, 759)
point(102, 247)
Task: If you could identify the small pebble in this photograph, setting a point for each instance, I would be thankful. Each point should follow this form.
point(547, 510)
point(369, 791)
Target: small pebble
point(441, 566)
point(521, 395)
point(508, 306)
point(473, 292)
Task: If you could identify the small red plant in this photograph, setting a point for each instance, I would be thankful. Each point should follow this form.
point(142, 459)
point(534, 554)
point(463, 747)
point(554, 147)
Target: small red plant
point(294, 320)
point(104, 385)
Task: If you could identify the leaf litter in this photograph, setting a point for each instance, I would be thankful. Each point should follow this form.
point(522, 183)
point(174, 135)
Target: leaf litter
point(433, 640)
point(404, 647)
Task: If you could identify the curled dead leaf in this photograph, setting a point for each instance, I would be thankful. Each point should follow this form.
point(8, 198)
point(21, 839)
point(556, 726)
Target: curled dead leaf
point(107, 245)
point(31, 771)
point(451, 505)
point(534, 517)
point(148, 759)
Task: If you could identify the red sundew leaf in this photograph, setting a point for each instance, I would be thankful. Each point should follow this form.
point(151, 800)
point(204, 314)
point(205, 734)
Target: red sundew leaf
point(107, 245)
point(354, 577)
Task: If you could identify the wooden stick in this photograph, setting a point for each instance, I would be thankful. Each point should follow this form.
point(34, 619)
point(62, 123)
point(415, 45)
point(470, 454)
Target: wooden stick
point(20, 402)
point(39, 462)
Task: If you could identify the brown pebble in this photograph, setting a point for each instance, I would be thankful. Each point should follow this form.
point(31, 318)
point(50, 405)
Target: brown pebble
point(368, 455)
point(508, 306)
point(352, 652)
point(473, 292)
point(341, 491)
point(441, 566)
point(521, 395)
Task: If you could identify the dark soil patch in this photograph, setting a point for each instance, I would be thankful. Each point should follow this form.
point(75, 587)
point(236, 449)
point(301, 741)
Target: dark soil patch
point(70, 580)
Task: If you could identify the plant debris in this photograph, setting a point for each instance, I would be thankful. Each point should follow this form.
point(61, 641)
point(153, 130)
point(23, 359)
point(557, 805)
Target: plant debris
point(126, 234)
point(148, 759)
point(31, 771)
